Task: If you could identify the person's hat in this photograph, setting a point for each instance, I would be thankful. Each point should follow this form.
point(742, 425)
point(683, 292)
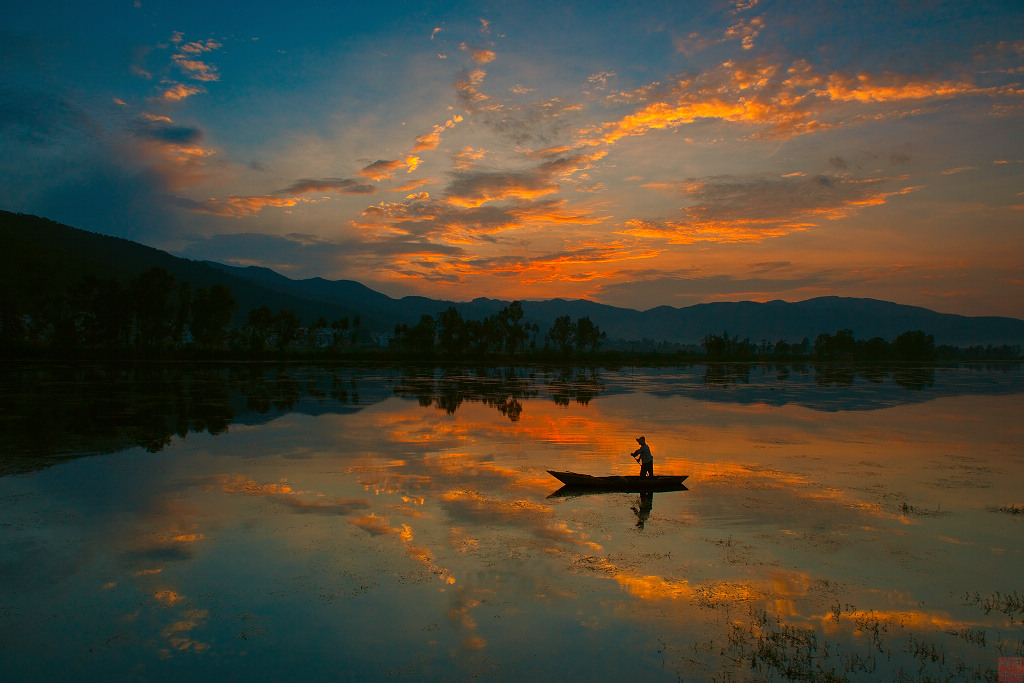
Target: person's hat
point(640, 439)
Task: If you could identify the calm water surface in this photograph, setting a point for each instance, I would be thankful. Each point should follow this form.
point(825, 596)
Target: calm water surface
point(352, 523)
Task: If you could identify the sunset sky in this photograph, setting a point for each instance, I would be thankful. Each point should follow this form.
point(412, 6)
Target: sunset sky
point(632, 153)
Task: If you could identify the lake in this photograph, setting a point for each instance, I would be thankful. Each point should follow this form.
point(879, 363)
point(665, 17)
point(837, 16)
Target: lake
point(343, 522)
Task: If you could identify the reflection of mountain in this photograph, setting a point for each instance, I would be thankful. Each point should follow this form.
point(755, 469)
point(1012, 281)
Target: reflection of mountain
point(50, 412)
point(53, 412)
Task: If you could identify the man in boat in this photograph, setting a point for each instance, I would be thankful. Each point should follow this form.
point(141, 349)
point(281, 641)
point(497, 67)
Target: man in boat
point(644, 457)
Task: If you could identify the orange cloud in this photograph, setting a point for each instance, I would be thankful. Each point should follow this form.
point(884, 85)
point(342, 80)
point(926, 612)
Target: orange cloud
point(789, 101)
point(865, 88)
point(180, 91)
point(432, 139)
point(381, 169)
point(186, 60)
point(467, 157)
point(467, 87)
point(478, 54)
point(241, 207)
point(196, 70)
point(730, 210)
point(474, 189)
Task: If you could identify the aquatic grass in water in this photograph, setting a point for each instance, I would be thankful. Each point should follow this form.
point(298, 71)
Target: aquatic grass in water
point(1009, 509)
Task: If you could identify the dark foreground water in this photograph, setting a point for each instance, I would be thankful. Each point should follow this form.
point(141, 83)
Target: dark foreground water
point(252, 522)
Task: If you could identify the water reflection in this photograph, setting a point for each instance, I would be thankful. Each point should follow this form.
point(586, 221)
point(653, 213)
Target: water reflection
point(501, 388)
point(371, 523)
point(643, 507)
point(59, 411)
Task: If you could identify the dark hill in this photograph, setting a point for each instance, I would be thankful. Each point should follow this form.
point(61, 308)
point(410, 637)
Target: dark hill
point(42, 258)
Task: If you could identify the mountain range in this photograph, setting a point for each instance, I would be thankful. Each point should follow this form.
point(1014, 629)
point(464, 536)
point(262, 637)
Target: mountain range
point(41, 253)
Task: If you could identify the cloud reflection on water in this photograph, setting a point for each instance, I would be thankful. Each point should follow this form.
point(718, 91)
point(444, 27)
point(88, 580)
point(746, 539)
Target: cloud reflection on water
point(397, 512)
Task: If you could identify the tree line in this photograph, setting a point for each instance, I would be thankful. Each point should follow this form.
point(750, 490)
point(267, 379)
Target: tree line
point(153, 314)
point(503, 333)
point(912, 345)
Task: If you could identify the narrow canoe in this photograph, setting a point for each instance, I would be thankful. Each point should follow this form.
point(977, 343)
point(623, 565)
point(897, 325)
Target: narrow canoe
point(627, 483)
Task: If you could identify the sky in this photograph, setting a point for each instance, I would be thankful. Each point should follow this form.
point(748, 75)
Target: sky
point(634, 153)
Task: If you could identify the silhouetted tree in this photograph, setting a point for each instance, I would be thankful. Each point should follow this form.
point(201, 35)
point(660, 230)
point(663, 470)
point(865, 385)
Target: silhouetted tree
point(513, 332)
point(587, 335)
point(835, 347)
point(914, 345)
point(182, 312)
point(286, 326)
point(561, 334)
point(211, 314)
point(339, 326)
point(355, 329)
point(258, 327)
point(314, 331)
point(876, 349)
point(153, 310)
point(453, 334)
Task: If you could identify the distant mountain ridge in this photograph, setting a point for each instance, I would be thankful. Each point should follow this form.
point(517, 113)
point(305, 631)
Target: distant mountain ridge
point(42, 253)
point(772, 321)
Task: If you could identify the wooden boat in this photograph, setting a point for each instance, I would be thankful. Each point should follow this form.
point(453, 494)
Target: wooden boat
point(624, 483)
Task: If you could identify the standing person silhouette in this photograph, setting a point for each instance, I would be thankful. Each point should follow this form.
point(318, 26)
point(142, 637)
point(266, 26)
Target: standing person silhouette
point(644, 457)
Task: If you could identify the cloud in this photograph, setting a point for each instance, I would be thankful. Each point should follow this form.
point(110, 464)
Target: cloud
point(478, 54)
point(359, 257)
point(467, 89)
point(781, 101)
point(471, 189)
point(745, 31)
point(41, 118)
point(180, 91)
point(174, 151)
point(235, 206)
point(343, 185)
point(732, 209)
point(381, 169)
point(161, 129)
point(187, 62)
point(431, 140)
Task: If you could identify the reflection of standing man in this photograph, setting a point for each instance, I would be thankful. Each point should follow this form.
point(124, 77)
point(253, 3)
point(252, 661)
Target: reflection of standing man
point(643, 455)
point(643, 508)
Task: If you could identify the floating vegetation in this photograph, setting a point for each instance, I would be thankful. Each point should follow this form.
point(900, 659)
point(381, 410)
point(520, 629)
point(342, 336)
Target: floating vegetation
point(1011, 604)
point(764, 648)
point(1009, 509)
point(919, 511)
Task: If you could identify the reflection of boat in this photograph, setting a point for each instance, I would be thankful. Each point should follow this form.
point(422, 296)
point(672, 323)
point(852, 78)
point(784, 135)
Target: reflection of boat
point(624, 483)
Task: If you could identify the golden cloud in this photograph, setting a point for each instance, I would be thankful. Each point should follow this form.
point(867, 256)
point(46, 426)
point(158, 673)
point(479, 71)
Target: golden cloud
point(731, 210)
point(432, 139)
point(180, 91)
point(789, 101)
point(478, 54)
point(241, 207)
point(381, 169)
